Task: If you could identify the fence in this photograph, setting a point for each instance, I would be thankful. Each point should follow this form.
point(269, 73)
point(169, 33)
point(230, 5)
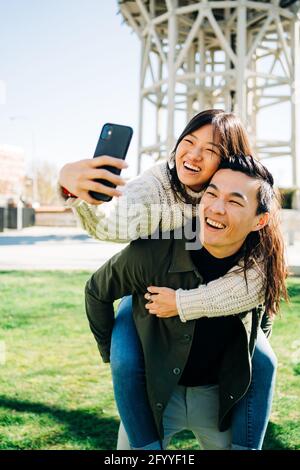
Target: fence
point(9, 217)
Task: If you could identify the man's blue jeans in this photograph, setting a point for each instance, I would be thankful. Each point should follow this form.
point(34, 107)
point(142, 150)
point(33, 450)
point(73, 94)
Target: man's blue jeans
point(250, 415)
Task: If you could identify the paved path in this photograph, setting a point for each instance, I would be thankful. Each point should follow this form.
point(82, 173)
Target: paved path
point(53, 248)
point(70, 248)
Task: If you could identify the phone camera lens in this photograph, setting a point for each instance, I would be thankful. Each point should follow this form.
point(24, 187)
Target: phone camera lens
point(106, 132)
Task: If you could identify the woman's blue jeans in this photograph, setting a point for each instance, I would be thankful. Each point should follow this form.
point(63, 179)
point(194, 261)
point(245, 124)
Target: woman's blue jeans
point(250, 414)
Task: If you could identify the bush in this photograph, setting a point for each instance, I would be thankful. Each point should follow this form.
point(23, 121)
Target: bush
point(287, 197)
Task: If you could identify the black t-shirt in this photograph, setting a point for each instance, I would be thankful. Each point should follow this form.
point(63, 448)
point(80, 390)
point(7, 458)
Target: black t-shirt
point(212, 335)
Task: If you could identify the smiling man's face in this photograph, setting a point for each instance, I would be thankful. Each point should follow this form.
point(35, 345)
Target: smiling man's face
point(228, 212)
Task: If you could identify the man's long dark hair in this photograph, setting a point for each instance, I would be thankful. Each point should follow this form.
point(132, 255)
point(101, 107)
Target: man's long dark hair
point(264, 248)
point(228, 133)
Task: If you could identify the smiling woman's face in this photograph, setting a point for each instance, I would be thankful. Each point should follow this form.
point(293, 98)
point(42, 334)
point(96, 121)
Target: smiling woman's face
point(197, 158)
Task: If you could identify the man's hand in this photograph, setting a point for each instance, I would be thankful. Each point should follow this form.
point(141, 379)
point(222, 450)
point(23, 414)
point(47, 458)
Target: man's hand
point(78, 177)
point(162, 301)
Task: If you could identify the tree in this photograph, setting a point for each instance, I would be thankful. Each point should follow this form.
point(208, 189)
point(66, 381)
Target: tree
point(46, 184)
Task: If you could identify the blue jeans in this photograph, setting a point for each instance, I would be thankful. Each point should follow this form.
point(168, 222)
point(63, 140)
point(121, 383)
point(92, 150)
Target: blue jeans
point(128, 374)
point(250, 414)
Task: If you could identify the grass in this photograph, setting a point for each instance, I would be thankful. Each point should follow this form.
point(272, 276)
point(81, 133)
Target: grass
point(57, 394)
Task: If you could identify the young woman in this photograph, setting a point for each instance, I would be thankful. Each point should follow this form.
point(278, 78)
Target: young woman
point(164, 198)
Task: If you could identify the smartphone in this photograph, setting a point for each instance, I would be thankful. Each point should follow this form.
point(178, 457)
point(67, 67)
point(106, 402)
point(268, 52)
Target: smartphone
point(114, 141)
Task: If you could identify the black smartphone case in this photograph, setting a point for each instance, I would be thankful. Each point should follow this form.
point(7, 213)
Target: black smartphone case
point(114, 145)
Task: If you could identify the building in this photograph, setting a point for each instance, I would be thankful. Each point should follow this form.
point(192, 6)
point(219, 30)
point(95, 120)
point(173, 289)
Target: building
point(241, 56)
point(12, 173)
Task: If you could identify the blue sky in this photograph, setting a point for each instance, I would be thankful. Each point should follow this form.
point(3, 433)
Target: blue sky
point(69, 66)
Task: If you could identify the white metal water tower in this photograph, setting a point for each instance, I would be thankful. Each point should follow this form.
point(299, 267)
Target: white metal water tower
point(241, 56)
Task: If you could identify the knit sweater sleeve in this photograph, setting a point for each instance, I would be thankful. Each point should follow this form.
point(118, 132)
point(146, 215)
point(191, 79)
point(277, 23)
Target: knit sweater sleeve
point(228, 295)
point(135, 214)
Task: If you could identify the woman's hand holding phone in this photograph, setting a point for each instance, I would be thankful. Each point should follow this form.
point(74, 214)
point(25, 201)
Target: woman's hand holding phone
point(78, 177)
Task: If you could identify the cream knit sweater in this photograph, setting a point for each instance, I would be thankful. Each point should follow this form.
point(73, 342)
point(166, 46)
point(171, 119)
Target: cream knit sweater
point(148, 203)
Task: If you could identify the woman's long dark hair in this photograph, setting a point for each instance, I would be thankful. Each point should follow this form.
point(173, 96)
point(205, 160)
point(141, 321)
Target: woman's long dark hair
point(264, 248)
point(228, 132)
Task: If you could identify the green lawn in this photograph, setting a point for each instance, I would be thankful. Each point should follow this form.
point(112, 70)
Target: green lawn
point(57, 394)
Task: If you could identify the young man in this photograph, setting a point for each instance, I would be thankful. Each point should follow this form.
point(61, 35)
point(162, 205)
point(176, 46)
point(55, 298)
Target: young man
point(196, 371)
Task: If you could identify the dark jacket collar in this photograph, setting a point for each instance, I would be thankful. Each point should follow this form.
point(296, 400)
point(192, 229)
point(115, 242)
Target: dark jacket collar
point(181, 260)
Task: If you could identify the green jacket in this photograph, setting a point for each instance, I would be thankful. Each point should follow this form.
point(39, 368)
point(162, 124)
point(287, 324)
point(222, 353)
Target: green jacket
point(166, 342)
